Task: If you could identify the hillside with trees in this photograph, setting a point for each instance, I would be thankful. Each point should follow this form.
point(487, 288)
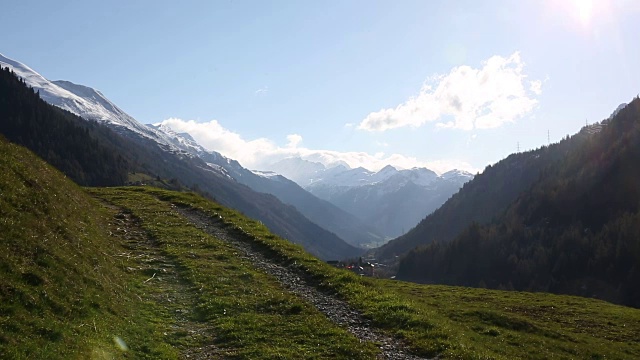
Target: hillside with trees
point(71, 144)
point(482, 199)
point(575, 230)
point(92, 154)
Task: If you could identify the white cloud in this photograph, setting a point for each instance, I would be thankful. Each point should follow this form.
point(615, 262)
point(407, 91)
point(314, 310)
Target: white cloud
point(213, 136)
point(535, 87)
point(294, 140)
point(262, 91)
point(261, 152)
point(466, 98)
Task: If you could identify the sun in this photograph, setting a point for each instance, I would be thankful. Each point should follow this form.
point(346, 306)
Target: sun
point(582, 14)
point(584, 10)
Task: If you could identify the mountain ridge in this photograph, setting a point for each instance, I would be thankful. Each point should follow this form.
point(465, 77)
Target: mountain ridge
point(345, 225)
point(414, 192)
point(154, 152)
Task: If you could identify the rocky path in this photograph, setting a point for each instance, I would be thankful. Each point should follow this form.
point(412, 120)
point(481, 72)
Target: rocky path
point(293, 279)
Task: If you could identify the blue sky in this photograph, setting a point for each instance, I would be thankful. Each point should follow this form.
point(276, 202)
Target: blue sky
point(442, 84)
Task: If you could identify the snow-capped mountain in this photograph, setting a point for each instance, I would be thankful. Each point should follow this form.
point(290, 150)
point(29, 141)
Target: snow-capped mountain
point(308, 174)
point(80, 100)
point(392, 200)
point(90, 104)
point(348, 227)
point(315, 176)
point(170, 155)
point(457, 175)
point(299, 170)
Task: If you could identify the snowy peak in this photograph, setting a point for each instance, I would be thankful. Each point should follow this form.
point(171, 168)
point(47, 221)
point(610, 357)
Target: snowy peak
point(384, 173)
point(49, 92)
point(388, 169)
point(389, 174)
point(180, 141)
point(457, 175)
point(270, 175)
point(299, 170)
point(310, 174)
point(419, 176)
point(78, 99)
point(339, 163)
point(86, 93)
point(354, 177)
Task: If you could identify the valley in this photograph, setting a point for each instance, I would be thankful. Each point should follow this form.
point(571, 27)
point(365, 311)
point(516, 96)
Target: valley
point(152, 284)
point(190, 239)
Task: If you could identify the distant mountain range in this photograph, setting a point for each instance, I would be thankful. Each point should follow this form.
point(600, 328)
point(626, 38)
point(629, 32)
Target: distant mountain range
point(391, 200)
point(347, 226)
point(161, 152)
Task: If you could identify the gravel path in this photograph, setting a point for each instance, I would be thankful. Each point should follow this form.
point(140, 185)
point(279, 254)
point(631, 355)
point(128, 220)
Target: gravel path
point(293, 279)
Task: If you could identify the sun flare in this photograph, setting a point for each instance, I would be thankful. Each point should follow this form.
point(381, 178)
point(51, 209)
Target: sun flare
point(584, 12)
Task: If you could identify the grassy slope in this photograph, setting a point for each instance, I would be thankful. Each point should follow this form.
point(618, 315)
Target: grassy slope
point(64, 293)
point(252, 316)
point(66, 290)
point(458, 322)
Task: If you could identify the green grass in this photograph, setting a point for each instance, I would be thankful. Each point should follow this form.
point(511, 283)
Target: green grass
point(251, 314)
point(457, 322)
point(66, 290)
point(62, 293)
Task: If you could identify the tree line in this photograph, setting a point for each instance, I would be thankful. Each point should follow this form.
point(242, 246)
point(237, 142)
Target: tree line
point(576, 230)
point(66, 141)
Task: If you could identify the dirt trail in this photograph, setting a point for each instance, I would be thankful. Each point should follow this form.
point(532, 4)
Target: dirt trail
point(293, 279)
point(166, 287)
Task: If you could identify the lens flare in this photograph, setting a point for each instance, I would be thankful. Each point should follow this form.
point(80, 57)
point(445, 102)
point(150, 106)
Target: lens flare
point(120, 343)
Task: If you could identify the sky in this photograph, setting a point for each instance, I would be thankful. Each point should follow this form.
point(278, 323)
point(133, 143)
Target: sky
point(441, 84)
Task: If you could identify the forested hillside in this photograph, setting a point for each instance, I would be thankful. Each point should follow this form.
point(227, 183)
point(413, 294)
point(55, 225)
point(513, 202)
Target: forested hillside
point(576, 230)
point(92, 154)
point(75, 146)
point(482, 199)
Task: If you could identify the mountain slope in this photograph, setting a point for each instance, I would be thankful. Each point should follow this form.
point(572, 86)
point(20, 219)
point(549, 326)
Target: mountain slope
point(69, 143)
point(346, 226)
point(480, 200)
point(125, 277)
point(80, 100)
point(150, 151)
point(576, 230)
point(63, 292)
